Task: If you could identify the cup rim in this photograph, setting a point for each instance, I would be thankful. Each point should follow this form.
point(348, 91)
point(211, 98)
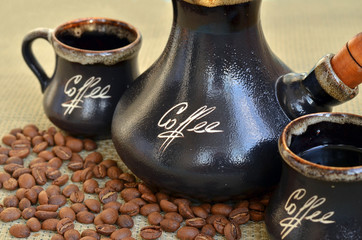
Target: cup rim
point(314, 170)
point(86, 56)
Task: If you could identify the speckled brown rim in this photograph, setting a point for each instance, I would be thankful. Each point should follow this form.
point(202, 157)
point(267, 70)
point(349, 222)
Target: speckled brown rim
point(313, 170)
point(84, 56)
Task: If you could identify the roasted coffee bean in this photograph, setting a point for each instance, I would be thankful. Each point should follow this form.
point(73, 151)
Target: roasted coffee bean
point(62, 152)
point(43, 215)
point(232, 231)
point(49, 139)
point(11, 201)
point(113, 172)
point(90, 185)
point(10, 184)
point(179, 201)
point(10, 168)
point(15, 160)
point(127, 177)
point(107, 195)
point(10, 214)
point(47, 208)
point(4, 177)
point(77, 197)
point(76, 145)
point(239, 215)
point(129, 208)
point(57, 237)
point(3, 158)
point(55, 162)
point(150, 197)
point(37, 189)
point(151, 232)
point(149, 208)
point(199, 212)
point(26, 181)
point(257, 206)
point(143, 188)
point(43, 198)
point(115, 184)
point(89, 144)
point(174, 216)
point(187, 233)
point(85, 217)
point(220, 223)
point(69, 189)
point(202, 236)
point(52, 173)
point(169, 225)
point(24, 203)
point(98, 220)
point(19, 231)
point(62, 180)
point(168, 206)
point(50, 224)
point(125, 221)
point(14, 131)
point(59, 139)
point(195, 222)
point(20, 171)
point(21, 153)
point(47, 155)
point(32, 195)
point(30, 130)
point(59, 200)
point(221, 209)
point(40, 147)
point(185, 210)
point(100, 171)
point(36, 162)
point(121, 234)
point(86, 173)
point(109, 216)
point(108, 163)
point(130, 193)
point(208, 229)
point(75, 165)
point(114, 205)
point(8, 139)
point(5, 151)
point(28, 213)
point(139, 201)
point(94, 157)
point(72, 234)
point(33, 224)
point(90, 233)
point(206, 207)
point(39, 175)
point(93, 205)
point(154, 218)
point(53, 190)
point(64, 225)
point(21, 144)
point(241, 204)
point(67, 212)
point(78, 207)
point(256, 216)
point(106, 229)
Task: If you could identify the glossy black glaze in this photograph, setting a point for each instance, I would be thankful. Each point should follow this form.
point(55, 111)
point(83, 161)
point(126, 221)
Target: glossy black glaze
point(215, 57)
point(334, 190)
point(87, 84)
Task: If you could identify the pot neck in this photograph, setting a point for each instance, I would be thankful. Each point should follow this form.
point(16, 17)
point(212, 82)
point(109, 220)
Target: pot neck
point(220, 19)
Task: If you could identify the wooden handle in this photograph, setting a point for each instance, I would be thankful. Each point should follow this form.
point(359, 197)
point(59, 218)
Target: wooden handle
point(347, 63)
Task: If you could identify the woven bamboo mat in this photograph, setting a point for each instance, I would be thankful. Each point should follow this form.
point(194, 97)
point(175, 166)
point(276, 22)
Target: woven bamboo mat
point(299, 32)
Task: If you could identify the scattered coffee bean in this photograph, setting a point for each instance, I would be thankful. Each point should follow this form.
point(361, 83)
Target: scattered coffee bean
point(10, 214)
point(72, 234)
point(125, 221)
point(106, 229)
point(85, 217)
point(19, 231)
point(109, 216)
point(232, 231)
point(93, 205)
point(33, 224)
point(64, 225)
point(187, 233)
point(169, 225)
point(151, 232)
point(50, 224)
point(154, 218)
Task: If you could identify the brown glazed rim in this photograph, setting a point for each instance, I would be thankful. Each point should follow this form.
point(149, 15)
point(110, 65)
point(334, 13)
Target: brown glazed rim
point(313, 170)
point(108, 57)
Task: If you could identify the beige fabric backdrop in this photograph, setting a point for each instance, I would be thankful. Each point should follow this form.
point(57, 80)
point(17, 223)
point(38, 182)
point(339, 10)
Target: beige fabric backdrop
point(298, 31)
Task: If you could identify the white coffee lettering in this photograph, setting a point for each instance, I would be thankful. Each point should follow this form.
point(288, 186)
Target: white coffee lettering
point(304, 213)
point(174, 130)
point(74, 89)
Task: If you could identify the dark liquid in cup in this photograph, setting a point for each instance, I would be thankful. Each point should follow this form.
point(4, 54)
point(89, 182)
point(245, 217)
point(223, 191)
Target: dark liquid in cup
point(334, 155)
point(95, 41)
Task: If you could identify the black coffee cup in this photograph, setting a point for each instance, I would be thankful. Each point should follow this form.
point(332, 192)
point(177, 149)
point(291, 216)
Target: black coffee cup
point(96, 61)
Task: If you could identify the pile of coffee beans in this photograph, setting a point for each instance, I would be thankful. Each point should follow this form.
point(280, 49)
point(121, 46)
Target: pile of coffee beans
point(32, 160)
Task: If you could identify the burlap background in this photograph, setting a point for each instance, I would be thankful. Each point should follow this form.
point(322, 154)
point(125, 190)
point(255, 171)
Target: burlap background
point(299, 32)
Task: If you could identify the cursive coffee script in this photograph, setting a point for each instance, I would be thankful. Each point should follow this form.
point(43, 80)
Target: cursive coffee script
point(174, 129)
point(306, 212)
point(78, 91)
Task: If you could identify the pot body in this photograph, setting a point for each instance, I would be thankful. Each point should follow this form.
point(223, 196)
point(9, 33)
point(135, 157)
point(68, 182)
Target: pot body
point(203, 120)
point(319, 198)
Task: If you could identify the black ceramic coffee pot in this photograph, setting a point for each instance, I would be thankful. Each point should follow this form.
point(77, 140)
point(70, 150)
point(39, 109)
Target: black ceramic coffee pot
point(204, 119)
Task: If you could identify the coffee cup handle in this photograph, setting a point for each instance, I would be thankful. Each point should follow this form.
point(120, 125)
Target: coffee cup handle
point(29, 57)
